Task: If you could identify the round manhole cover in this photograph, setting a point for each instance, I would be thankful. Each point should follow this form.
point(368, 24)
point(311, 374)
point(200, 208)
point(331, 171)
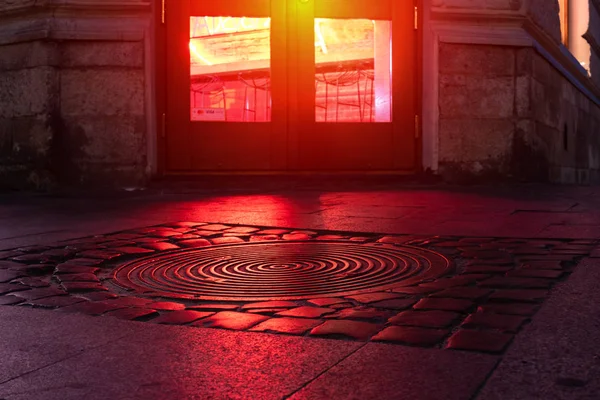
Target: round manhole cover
point(280, 270)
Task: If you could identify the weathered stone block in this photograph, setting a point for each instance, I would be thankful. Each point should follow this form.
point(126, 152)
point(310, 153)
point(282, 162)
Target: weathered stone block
point(107, 139)
point(102, 92)
point(482, 140)
point(478, 97)
point(477, 60)
point(523, 96)
point(25, 140)
point(102, 54)
point(27, 92)
point(28, 55)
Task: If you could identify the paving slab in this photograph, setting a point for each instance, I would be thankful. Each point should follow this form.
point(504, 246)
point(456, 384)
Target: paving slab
point(105, 358)
point(556, 356)
point(381, 371)
point(34, 339)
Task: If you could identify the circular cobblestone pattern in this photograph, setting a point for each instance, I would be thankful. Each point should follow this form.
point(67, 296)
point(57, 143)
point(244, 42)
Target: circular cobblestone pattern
point(280, 271)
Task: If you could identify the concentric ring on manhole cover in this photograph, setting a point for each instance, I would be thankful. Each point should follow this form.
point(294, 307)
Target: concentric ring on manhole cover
point(280, 270)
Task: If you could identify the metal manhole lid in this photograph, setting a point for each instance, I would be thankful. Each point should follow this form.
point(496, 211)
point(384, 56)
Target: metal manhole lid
point(280, 270)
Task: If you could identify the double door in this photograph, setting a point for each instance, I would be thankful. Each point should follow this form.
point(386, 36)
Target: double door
point(289, 85)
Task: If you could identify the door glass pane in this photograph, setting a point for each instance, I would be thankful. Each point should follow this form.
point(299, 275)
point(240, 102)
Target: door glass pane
point(353, 70)
point(230, 69)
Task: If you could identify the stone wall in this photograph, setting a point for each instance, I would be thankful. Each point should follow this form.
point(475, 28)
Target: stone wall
point(29, 110)
point(507, 112)
point(73, 90)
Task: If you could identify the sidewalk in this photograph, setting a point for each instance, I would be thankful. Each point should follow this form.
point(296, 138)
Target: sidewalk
point(49, 354)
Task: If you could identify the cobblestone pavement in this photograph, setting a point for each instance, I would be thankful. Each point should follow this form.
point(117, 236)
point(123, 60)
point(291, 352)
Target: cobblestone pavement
point(465, 293)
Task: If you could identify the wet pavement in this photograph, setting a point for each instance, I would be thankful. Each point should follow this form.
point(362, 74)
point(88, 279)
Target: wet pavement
point(389, 291)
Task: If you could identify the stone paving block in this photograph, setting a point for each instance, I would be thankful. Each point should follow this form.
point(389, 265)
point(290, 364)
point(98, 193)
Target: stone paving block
point(165, 306)
point(129, 250)
point(129, 301)
point(213, 307)
point(263, 238)
point(486, 341)
point(270, 304)
point(68, 268)
point(215, 227)
point(330, 237)
point(491, 262)
point(10, 265)
point(161, 246)
point(187, 236)
point(165, 233)
point(361, 239)
point(114, 245)
point(194, 243)
point(272, 232)
point(487, 269)
point(327, 301)
point(55, 302)
point(293, 326)
point(470, 293)
point(373, 297)
point(80, 277)
point(510, 308)
point(341, 306)
point(181, 317)
point(124, 236)
point(33, 249)
point(9, 254)
point(394, 304)
point(226, 240)
point(6, 288)
point(32, 282)
point(232, 320)
point(104, 255)
point(38, 269)
point(414, 290)
point(555, 265)
point(10, 300)
point(526, 295)
point(535, 273)
point(510, 282)
point(91, 308)
point(9, 275)
point(486, 254)
point(97, 296)
point(296, 236)
point(84, 262)
point(59, 253)
point(357, 313)
point(445, 283)
point(353, 329)
point(32, 259)
point(146, 240)
point(204, 234)
point(242, 229)
point(40, 293)
point(79, 287)
point(306, 312)
point(490, 320)
point(267, 311)
point(411, 335)
point(444, 304)
point(427, 319)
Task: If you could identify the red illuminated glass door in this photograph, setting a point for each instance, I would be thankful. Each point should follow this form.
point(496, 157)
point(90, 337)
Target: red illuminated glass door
point(354, 70)
point(280, 85)
point(226, 86)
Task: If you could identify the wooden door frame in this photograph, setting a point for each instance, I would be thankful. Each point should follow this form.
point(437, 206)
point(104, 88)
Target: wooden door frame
point(160, 96)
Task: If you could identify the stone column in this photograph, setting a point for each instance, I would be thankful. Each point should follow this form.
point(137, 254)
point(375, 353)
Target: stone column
point(75, 92)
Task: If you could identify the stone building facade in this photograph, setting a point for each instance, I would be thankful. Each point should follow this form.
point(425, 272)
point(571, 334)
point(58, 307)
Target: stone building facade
point(506, 89)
